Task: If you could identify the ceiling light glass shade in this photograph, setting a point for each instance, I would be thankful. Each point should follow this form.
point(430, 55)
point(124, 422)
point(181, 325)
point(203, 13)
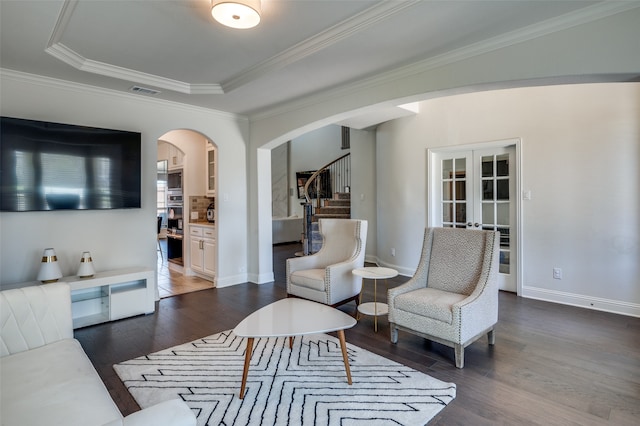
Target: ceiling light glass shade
point(236, 13)
point(86, 266)
point(49, 267)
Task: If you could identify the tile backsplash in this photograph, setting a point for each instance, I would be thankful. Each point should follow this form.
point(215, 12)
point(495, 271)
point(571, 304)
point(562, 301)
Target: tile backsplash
point(199, 204)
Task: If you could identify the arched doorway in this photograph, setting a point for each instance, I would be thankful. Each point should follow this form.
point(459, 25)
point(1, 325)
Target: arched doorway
point(184, 196)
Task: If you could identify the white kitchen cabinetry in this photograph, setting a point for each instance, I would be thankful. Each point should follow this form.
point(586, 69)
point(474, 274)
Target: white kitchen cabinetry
point(176, 157)
point(203, 250)
point(212, 169)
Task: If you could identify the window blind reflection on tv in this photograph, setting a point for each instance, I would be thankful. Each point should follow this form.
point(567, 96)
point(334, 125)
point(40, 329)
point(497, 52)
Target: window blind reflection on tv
point(52, 166)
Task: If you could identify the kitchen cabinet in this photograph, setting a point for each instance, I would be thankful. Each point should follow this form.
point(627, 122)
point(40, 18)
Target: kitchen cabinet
point(176, 157)
point(212, 169)
point(203, 250)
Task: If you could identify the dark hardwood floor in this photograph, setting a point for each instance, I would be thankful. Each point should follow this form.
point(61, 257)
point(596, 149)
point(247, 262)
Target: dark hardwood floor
point(551, 365)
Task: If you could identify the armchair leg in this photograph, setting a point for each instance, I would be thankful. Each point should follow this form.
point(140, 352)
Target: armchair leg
point(394, 332)
point(491, 336)
point(459, 349)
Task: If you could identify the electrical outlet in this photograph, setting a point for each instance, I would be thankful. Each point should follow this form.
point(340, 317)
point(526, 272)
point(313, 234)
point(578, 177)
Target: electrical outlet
point(393, 252)
point(557, 273)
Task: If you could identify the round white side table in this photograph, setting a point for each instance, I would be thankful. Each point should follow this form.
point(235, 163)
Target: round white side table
point(374, 308)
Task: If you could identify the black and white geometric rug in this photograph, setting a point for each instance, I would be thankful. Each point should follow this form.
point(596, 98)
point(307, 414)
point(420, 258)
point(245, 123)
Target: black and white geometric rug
point(303, 386)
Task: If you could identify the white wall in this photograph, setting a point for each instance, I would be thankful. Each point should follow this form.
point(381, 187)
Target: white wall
point(597, 47)
point(580, 153)
point(363, 186)
point(280, 181)
point(120, 238)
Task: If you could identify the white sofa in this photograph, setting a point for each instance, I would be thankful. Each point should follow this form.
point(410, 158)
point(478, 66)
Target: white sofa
point(286, 229)
point(46, 377)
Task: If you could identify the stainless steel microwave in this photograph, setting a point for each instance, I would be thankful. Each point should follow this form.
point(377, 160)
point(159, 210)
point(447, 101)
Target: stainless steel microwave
point(174, 180)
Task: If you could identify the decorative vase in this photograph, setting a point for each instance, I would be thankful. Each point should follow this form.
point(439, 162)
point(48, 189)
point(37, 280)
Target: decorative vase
point(49, 267)
point(86, 266)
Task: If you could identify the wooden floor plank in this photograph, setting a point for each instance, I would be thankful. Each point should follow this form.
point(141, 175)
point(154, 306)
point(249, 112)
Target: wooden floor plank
point(551, 365)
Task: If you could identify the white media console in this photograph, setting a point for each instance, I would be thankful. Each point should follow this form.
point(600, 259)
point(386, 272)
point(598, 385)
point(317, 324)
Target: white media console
point(108, 295)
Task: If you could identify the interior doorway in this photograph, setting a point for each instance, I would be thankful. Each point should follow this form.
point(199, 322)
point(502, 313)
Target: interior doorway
point(477, 187)
point(180, 181)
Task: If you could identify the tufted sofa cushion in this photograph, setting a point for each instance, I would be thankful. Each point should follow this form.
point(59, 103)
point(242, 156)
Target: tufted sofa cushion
point(34, 316)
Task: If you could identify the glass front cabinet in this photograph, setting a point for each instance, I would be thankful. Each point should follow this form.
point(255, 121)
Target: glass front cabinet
point(212, 169)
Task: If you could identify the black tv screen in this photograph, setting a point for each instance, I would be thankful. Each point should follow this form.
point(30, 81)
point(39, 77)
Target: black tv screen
point(52, 166)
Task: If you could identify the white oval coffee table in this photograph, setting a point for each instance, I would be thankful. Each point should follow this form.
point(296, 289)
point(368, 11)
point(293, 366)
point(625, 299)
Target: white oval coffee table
point(293, 317)
point(374, 308)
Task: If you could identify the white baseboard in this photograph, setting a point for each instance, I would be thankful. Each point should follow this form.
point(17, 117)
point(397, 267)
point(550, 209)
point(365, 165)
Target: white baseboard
point(406, 272)
point(259, 278)
point(232, 280)
point(595, 303)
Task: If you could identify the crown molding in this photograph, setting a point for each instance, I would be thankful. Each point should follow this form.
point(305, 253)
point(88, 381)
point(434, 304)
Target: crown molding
point(67, 55)
point(320, 41)
point(22, 77)
point(553, 25)
point(324, 39)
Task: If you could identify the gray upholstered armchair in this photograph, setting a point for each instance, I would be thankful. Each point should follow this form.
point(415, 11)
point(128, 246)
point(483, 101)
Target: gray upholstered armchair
point(453, 297)
point(326, 276)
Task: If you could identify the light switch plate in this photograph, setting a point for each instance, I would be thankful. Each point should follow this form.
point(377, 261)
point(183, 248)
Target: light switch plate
point(194, 215)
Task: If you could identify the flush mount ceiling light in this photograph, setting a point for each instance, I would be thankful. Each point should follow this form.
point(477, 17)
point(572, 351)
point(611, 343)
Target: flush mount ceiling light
point(236, 13)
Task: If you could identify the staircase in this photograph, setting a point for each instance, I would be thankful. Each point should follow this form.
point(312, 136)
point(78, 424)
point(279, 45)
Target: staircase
point(338, 207)
point(337, 175)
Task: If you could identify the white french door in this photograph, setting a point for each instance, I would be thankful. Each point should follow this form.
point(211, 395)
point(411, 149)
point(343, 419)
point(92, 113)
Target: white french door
point(476, 189)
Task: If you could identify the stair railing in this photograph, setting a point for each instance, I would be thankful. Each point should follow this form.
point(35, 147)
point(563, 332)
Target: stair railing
point(339, 179)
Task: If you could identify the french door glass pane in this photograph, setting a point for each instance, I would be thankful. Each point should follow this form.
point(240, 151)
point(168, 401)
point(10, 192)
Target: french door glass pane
point(447, 169)
point(487, 190)
point(487, 214)
point(504, 237)
point(447, 212)
point(487, 166)
point(461, 190)
point(461, 168)
point(505, 261)
point(502, 211)
point(503, 189)
point(446, 191)
point(502, 165)
point(461, 212)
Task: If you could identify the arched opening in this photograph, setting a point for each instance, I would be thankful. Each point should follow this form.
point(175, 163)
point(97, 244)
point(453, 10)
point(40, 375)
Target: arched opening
point(186, 185)
point(401, 202)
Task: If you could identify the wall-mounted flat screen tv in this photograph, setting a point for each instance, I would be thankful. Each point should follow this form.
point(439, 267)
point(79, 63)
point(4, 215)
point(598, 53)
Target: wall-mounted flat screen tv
point(52, 166)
